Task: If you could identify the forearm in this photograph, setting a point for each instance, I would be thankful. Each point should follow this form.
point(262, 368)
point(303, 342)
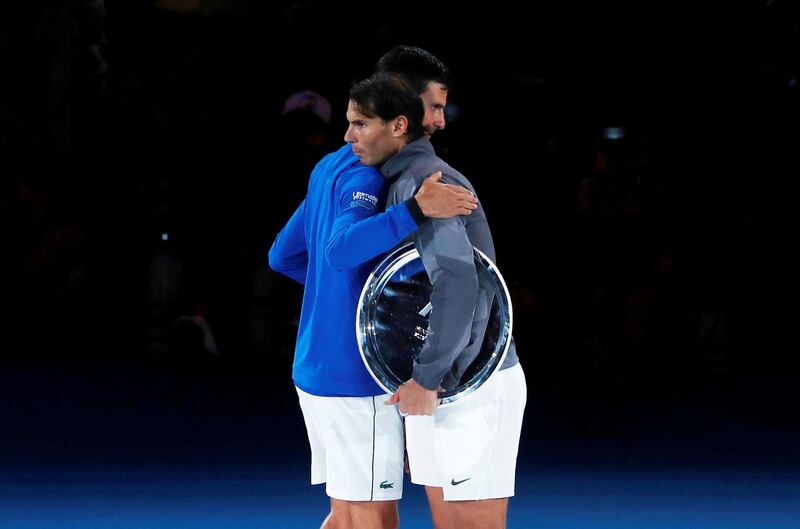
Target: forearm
point(448, 258)
point(355, 241)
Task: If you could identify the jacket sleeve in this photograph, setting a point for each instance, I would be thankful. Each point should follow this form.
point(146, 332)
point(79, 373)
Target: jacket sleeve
point(447, 255)
point(360, 230)
point(289, 252)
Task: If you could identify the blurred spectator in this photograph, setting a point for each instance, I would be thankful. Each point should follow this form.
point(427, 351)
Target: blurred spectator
point(309, 100)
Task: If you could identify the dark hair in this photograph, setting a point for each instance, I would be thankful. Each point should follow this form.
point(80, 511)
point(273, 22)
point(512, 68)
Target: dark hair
point(388, 96)
point(417, 66)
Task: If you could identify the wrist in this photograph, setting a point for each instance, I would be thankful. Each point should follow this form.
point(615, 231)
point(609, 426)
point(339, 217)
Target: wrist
point(415, 208)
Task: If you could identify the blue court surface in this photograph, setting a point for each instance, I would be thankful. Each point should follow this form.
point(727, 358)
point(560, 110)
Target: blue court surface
point(113, 450)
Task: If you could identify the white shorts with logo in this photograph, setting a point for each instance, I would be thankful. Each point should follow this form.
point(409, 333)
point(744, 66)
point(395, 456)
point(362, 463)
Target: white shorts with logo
point(356, 446)
point(470, 448)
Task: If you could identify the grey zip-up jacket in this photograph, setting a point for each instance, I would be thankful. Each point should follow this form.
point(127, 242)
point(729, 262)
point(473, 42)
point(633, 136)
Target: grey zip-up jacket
point(459, 315)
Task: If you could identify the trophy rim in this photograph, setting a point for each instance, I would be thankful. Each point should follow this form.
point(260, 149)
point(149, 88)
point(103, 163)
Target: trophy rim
point(399, 257)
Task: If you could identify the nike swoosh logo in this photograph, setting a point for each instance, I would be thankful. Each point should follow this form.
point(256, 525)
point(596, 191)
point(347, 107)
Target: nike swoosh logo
point(454, 482)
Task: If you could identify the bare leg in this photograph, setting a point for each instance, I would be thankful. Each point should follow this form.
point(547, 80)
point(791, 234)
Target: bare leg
point(339, 517)
point(440, 510)
point(480, 514)
point(374, 514)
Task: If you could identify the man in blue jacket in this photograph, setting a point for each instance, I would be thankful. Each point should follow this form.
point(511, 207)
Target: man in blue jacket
point(466, 454)
point(329, 245)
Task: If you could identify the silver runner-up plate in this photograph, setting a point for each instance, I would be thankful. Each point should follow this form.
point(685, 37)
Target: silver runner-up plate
point(392, 324)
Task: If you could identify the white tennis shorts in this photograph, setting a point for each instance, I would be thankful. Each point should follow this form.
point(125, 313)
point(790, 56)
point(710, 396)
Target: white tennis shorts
point(470, 448)
point(356, 446)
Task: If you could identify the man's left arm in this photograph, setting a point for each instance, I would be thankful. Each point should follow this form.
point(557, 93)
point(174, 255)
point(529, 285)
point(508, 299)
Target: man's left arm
point(447, 255)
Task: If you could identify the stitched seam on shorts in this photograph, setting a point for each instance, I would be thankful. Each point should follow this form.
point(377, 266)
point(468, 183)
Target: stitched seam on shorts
point(372, 484)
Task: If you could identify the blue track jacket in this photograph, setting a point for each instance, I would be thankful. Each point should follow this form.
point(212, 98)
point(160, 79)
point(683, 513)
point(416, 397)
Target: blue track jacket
point(323, 248)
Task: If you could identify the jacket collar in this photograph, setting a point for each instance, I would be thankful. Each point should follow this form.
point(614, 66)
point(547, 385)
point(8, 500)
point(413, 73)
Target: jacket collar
point(398, 163)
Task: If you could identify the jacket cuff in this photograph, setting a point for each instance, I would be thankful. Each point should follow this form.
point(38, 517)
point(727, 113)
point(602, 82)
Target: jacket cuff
point(427, 381)
point(415, 210)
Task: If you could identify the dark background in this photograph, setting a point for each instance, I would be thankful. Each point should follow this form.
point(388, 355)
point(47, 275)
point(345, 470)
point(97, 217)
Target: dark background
point(651, 275)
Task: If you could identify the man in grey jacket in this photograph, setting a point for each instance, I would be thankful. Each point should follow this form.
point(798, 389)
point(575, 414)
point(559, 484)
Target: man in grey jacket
point(465, 455)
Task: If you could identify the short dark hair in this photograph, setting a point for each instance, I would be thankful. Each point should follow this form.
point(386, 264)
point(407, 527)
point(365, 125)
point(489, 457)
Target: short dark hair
point(388, 96)
point(417, 66)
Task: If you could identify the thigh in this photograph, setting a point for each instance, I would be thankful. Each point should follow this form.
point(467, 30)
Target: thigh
point(362, 515)
point(482, 514)
point(359, 448)
point(374, 514)
point(448, 446)
point(470, 449)
point(441, 513)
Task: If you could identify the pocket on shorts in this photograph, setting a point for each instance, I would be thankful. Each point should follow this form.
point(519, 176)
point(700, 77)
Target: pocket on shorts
point(462, 440)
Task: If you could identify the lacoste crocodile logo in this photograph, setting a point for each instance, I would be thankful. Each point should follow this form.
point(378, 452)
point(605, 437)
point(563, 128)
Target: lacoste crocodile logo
point(385, 485)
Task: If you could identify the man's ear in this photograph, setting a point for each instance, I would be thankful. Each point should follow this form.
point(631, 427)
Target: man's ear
point(400, 126)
